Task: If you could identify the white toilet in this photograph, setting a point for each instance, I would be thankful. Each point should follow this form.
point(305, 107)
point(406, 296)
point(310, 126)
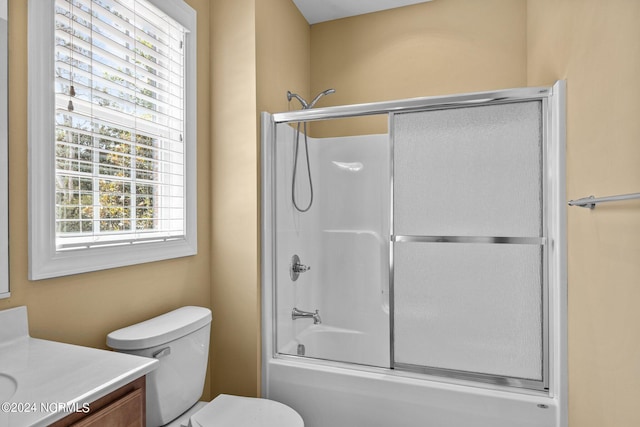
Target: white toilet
point(180, 341)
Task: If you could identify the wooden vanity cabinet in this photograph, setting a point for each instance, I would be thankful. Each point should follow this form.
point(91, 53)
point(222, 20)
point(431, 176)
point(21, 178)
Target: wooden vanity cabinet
point(124, 407)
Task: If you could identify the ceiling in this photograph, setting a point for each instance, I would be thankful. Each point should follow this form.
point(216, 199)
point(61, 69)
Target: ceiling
point(327, 10)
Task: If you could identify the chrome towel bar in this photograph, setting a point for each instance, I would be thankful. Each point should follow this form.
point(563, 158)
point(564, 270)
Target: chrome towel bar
point(591, 202)
point(469, 239)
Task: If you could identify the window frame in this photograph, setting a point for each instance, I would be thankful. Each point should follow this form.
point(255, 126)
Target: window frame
point(45, 261)
point(4, 154)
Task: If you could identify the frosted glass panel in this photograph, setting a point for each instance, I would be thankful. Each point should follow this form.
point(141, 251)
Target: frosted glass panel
point(469, 307)
point(473, 171)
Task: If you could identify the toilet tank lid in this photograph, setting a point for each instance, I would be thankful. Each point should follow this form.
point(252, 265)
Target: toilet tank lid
point(160, 330)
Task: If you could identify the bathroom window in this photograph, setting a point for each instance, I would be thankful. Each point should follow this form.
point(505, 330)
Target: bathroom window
point(112, 134)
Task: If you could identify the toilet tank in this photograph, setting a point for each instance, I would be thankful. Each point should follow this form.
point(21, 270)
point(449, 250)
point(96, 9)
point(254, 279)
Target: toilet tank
point(180, 341)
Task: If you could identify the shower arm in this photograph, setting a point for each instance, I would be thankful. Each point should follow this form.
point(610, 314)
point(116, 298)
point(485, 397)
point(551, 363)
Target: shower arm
point(290, 96)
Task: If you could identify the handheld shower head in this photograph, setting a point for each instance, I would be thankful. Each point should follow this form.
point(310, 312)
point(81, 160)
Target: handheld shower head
point(306, 106)
point(320, 95)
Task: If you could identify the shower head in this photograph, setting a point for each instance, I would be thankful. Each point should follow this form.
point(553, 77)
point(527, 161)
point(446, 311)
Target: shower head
point(298, 97)
point(306, 106)
point(320, 95)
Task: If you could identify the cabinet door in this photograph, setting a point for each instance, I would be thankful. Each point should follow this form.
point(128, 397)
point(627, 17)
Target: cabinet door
point(128, 411)
point(124, 407)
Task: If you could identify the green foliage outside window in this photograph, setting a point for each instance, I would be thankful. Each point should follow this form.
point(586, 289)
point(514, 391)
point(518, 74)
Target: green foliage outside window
point(124, 183)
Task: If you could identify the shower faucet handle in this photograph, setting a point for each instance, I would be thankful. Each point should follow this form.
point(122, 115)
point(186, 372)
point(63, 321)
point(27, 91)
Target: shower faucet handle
point(300, 268)
point(295, 268)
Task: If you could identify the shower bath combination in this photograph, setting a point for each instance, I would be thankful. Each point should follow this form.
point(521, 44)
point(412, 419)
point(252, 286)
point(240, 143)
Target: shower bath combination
point(433, 298)
point(305, 106)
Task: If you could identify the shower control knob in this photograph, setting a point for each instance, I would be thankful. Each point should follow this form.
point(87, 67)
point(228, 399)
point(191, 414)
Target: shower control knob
point(300, 268)
point(295, 268)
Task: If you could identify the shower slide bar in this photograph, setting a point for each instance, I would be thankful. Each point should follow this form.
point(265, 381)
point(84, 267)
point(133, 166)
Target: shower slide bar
point(591, 202)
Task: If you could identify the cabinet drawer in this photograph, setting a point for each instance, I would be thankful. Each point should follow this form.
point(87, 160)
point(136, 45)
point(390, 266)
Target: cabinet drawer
point(128, 411)
point(124, 407)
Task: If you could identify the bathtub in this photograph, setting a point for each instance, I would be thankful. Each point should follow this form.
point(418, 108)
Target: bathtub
point(332, 394)
point(331, 343)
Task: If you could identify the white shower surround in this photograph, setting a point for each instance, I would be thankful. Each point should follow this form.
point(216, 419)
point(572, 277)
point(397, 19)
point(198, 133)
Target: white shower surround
point(329, 393)
point(340, 238)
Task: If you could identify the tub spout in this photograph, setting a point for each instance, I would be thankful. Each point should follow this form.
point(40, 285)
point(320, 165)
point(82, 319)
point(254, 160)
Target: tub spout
point(299, 314)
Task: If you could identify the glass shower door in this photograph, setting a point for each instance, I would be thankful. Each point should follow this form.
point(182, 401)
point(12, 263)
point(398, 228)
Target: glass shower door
point(469, 243)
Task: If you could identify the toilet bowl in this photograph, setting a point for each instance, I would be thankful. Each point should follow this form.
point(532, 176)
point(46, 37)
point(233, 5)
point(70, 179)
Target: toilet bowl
point(180, 341)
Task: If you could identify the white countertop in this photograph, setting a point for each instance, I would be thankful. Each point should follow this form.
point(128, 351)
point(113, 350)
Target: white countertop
point(53, 378)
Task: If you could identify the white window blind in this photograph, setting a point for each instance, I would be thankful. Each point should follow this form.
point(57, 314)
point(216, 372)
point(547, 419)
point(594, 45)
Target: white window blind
point(112, 134)
point(119, 123)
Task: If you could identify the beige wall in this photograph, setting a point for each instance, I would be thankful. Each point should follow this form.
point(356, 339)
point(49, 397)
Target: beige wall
point(260, 50)
point(595, 45)
point(84, 308)
point(235, 346)
point(283, 54)
point(282, 63)
point(434, 48)
point(252, 51)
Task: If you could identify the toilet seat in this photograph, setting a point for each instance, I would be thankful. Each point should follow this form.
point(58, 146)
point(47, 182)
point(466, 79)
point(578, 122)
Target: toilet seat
point(234, 411)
